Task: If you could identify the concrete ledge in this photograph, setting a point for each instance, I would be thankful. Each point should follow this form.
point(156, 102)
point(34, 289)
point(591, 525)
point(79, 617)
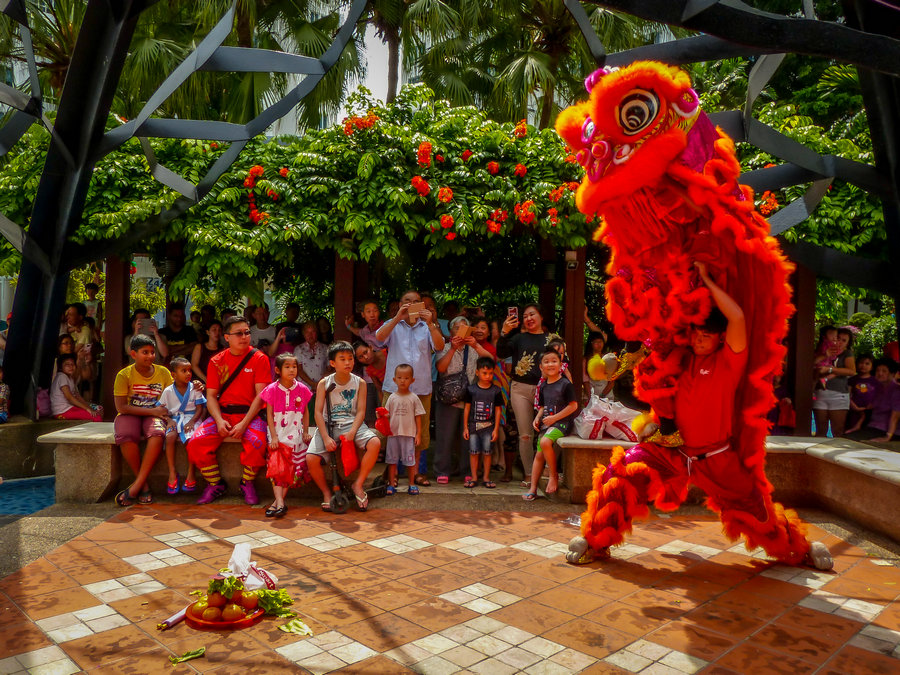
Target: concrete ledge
point(852, 479)
point(21, 456)
point(90, 469)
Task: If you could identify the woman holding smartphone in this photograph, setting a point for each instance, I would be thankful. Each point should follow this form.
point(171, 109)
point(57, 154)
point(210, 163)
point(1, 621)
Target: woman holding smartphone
point(525, 347)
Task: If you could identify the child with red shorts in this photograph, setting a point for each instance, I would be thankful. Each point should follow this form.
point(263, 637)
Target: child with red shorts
point(234, 380)
point(286, 401)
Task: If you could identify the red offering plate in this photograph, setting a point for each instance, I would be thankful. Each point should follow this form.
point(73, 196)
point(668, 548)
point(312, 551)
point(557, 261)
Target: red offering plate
point(246, 622)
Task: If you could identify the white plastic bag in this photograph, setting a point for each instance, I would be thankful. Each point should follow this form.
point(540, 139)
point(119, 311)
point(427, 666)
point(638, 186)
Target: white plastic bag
point(601, 417)
point(253, 577)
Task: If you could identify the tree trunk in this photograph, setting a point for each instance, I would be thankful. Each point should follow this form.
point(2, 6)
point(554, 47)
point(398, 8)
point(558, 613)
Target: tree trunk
point(547, 107)
point(392, 40)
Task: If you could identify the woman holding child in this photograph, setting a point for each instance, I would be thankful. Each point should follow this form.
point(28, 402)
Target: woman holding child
point(459, 355)
point(526, 348)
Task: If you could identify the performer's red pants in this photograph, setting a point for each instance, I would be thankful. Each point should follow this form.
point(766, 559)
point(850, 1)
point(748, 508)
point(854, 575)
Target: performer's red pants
point(202, 446)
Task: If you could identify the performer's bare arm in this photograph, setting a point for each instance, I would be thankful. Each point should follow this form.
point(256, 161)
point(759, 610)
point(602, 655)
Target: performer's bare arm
point(736, 333)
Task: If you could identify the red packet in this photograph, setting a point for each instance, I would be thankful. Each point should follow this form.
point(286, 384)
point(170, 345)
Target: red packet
point(348, 456)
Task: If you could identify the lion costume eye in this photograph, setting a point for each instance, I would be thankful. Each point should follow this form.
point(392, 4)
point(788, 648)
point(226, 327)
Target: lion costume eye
point(637, 111)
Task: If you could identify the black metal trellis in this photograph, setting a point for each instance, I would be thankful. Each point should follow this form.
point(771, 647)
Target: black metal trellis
point(868, 41)
point(79, 141)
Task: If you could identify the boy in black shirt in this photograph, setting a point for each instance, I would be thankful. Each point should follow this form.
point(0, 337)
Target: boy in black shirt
point(558, 405)
point(482, 413)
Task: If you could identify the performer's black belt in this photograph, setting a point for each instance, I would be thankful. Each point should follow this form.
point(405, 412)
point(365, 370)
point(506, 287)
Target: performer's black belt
point(705, 455)
point(235, 409)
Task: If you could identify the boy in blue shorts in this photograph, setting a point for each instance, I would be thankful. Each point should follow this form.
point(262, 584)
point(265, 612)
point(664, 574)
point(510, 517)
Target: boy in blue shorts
point(344, 416)
point(558, 404)
point(482, 412)
point(405, 412)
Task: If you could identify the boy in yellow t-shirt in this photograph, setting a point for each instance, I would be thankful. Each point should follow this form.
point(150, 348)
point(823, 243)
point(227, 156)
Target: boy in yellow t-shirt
point(137, 390)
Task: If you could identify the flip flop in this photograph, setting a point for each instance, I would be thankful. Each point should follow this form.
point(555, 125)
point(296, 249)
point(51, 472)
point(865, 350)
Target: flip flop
point(470, 483)
point(506, 479)
point(145, 497)
point(124, 499)
point(413, 490)
point(362, 502)
point(390, 490)
point(489, 484)
point(422, 479)
point(529, 496)
point(442, 480)
point(172, 488)
point(326, 507)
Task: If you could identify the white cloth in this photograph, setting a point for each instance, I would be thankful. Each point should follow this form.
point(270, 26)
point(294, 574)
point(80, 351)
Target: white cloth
point(257, 334)
point(58, 401)
point(344, 399)
point(403, 410)
point(313, 360)
point(172, 400)
point(412, 345)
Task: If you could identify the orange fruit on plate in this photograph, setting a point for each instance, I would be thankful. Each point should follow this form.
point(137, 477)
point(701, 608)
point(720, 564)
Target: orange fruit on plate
point(212, 614)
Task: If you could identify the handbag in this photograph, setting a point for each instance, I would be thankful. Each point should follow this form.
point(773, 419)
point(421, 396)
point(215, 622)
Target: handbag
point(452, 388)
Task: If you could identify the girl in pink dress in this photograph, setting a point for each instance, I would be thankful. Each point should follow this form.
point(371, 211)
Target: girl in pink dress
point(286, 400)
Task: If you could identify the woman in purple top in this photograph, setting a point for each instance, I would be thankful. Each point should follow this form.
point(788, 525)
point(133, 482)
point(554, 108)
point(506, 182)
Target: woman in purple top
point(862, 394)
point(886, 406)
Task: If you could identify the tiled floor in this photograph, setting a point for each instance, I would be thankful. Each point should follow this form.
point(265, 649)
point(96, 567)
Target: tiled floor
point(397, 590)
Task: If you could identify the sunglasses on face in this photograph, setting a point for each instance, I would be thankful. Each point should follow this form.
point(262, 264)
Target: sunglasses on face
point(240, 333)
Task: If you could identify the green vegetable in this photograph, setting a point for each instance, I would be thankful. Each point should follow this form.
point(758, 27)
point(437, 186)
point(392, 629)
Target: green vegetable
point(187, 656)
point(275, 602)
point(226, 586)
point(296, 626)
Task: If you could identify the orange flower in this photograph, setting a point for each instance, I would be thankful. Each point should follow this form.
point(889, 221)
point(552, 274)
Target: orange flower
point(493, 226)
point(571, 159)
point(273, 195)
point(521, 129)
point(214, 145)
point(445, 194)
point(520, 170)
point(499, 215)
point(450, 236)
point(524, 212)
point(284, 172)
point(439, 158)
point(424, 154)
point(249, 182)
point(572, 185)
point(465, 155)
point(421, 185)
point(446, 221)
point(493, 168)
point(256, 171)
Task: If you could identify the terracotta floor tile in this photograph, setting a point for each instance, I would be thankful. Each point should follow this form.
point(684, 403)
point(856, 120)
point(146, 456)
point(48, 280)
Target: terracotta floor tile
point(724, 573)
point(157, 605)
point(339, 610)
point(737, 560)
point(214, 551)
point(233, 649)
point(111, 532)
point(396, 567)
point(889, 617)
point(716, 669)
point(151, 662)
point(310, 589)
point(868, 572)
point(125, 549)
point(437, 556)
point(323, 563)
point(190, 575)
point(603, 668)
point(643, 536)
point(797, 643)
point(774, 588)
point(384, 631)
point(589, 637)
point(437, 581)
point(505, 536)
point(604, 585)
point(36, 578)
point(64, 553)
point(519, 582)
point(692, 588)
point(360, 554)
point(56, 602)
point(354, 579)
point(570, 600)
point(90, 573)
point(157, 524)
point(258, 664)
point(9, 613)
point(21, 637)
point(625, 618)
point(728, 619)
point(267, 633)
point(531, 616)
point(633, 570)
point(835, 628)
point(509, 558)
point(557, 569)
point(377, 665)
point(286, 551)
point(691, 639)
point(660, 604)
point(112, 645)
point(435, 614)
point(749, 658)
point(764, 608)
point(855, 661)
point(391, 596)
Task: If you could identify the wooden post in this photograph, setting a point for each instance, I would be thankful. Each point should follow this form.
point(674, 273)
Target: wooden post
point(801, 342)
point(116, 308)
point(343, 296)
point(547, 284)
point(362, 287)
point(573, 304)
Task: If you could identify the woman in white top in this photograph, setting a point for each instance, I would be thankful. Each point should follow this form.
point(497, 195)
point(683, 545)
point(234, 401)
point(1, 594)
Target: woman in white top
point(457, 353)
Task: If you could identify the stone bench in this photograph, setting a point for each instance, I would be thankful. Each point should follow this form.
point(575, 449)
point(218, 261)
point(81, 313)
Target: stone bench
point(854, 480)
point(21, 455)
point(90, 468)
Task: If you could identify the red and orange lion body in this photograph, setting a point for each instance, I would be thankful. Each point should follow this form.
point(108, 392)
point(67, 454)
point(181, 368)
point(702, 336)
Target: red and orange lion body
point(663, 179)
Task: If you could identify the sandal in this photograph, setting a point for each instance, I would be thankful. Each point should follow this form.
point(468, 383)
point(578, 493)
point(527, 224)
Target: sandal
point(189, 486)
point(145, 497)
point(172, 488)
point(506, 479)
point(124, 499)
point(489, 484)
point(362, 502)
point(526, 483)
point(529, 496)
point(470, 483)
point(390, 490)
point(326, 506)
point(442, 480)
point(422, 479)
point(413, 490)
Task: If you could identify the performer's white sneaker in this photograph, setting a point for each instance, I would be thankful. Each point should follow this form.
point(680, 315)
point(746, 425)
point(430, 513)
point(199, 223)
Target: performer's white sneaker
point(819, 556)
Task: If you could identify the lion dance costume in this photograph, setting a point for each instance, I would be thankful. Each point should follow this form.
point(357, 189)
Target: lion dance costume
point(663, 179)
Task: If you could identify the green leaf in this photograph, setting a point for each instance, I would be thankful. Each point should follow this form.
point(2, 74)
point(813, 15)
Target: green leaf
point(188, 656)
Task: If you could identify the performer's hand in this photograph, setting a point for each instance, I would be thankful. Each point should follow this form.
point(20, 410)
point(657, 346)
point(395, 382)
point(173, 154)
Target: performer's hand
point(223, 426)
point(238, 430)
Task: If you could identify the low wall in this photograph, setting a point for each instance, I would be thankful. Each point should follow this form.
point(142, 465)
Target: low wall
point(21, 456)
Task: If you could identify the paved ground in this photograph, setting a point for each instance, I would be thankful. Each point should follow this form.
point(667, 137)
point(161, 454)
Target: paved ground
point(405, 589)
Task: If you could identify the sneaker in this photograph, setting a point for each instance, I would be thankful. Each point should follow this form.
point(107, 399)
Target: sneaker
point(249, 493)
point(212, 492)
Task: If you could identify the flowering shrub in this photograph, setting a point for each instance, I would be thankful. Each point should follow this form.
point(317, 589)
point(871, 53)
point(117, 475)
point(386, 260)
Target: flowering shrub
point(520, 170)
point(465, 155)
point(521, 129)
point(445, 194)
point(446, 221)
point(493, 168)
point(424, 154)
